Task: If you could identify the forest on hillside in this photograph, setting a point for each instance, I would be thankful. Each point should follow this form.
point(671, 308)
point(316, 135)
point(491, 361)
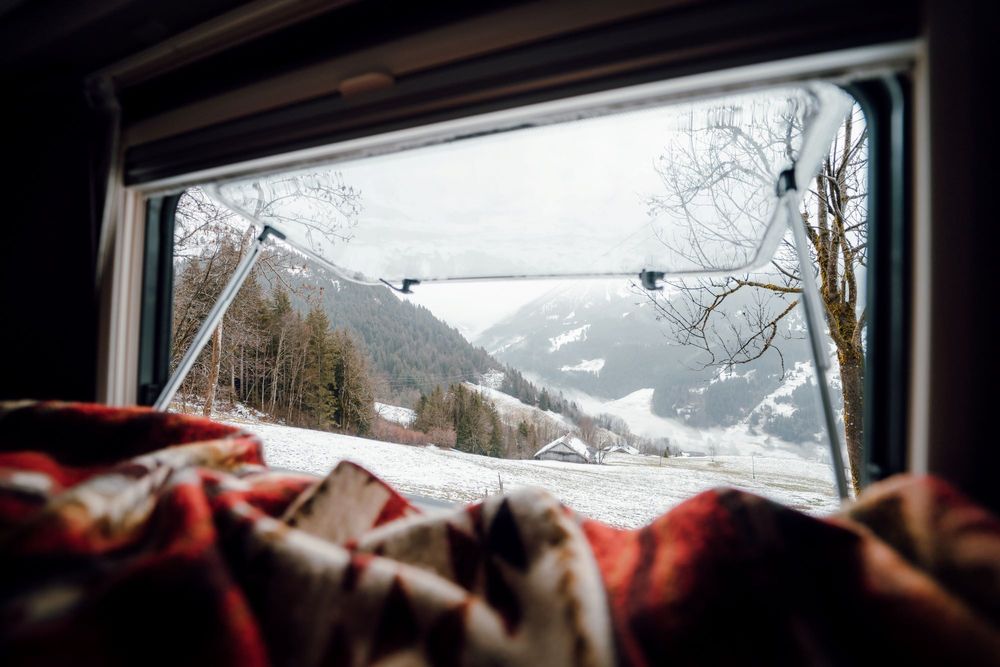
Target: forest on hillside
point(309, 350)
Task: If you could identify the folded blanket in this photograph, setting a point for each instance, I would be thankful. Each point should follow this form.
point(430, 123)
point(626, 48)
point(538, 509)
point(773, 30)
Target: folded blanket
point(136, 537)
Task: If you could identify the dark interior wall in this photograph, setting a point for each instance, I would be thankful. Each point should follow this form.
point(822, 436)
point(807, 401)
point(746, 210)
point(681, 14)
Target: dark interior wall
point(47, 300)
point(48, 137)
point(964, 173)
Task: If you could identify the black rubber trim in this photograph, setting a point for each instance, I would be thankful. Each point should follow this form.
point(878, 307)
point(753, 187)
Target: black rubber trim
point(156, 316)
point(886, 105)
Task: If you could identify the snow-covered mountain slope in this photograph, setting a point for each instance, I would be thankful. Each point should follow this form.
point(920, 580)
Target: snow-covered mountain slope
point(513, 411)
point(510, 410)
point(576, 336)
point(740, 439)
point(603, 339)
point(407, 345)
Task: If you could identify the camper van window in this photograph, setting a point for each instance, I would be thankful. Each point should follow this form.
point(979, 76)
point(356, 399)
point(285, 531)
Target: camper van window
point(609, 307)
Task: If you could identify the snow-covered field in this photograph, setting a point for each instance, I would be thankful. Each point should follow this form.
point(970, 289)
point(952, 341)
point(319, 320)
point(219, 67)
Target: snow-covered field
point(627, 491)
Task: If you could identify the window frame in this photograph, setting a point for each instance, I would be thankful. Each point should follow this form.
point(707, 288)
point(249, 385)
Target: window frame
point(157, 305)
point(886, 102)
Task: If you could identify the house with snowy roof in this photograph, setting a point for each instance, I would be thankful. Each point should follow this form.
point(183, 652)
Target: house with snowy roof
point(623, 448)
point(568, 449)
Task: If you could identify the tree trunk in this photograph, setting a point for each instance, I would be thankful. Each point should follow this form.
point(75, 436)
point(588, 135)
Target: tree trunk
point(852, 379)
point(232, 378)
point(243, 375)
point(214, 368)
point(277, 366)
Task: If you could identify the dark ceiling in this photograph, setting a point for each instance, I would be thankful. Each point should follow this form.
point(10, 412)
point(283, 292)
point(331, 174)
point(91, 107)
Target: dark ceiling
point(46, 44)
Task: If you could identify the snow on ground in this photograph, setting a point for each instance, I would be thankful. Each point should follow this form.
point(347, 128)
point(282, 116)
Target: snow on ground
point(573, 335)
point(586, 366)
point(627, 491)
point(395, 413)
point(235, 412)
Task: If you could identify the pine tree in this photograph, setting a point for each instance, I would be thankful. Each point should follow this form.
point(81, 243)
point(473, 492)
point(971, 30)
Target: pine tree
point(496, 442)
point(352, 387)
point(433, 411)
point(318, 376)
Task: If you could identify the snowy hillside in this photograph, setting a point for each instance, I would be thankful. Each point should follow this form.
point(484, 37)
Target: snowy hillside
point(602, 340)
point(737, 440)
point(512, 411)
point(395, 413)
point(628, 491)
point(600, 337)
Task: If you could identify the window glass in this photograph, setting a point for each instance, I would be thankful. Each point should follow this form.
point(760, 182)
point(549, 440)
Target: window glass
point(567, 199)
point(620, 400)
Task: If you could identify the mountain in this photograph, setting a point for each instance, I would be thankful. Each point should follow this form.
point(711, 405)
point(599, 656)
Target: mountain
point(741, 438)
point(598, 342)
point(599, 337)
point(412, 350)
point(601, 342)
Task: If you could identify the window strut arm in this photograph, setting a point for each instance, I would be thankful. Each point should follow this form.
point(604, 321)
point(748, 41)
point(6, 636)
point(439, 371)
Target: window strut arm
point(813, 306)
point(225, 300)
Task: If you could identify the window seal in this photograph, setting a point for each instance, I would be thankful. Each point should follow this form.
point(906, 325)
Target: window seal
point(156, 312)
point(886, 102)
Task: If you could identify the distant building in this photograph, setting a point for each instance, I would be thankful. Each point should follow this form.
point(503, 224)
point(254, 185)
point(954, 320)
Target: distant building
point(623, 448)
point(568, 449)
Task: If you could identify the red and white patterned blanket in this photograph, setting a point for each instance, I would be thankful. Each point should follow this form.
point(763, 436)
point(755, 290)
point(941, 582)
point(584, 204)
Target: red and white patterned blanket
point(134, 537)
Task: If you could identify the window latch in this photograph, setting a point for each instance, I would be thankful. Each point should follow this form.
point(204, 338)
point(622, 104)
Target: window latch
point(405, 289)
point(651, 279)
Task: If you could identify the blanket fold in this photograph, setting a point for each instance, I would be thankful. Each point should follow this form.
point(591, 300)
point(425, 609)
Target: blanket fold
point(134, 537)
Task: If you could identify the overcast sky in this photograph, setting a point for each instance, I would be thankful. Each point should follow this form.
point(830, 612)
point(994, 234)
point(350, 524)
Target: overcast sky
point(566, 198)
point(474, 306)
point(554, 199)
point(574, 180)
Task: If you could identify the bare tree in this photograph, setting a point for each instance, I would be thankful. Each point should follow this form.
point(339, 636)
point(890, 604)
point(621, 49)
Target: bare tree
point(588, 430)
point(207, 245)
point(211, 239)
point(719, 182)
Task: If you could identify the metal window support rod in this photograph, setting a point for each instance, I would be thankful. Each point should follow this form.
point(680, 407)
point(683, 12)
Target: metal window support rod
point(215, 316)
point(814, 324)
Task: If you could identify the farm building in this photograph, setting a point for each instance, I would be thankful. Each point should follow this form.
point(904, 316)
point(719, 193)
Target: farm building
point(568, 449)
point(623, 449)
